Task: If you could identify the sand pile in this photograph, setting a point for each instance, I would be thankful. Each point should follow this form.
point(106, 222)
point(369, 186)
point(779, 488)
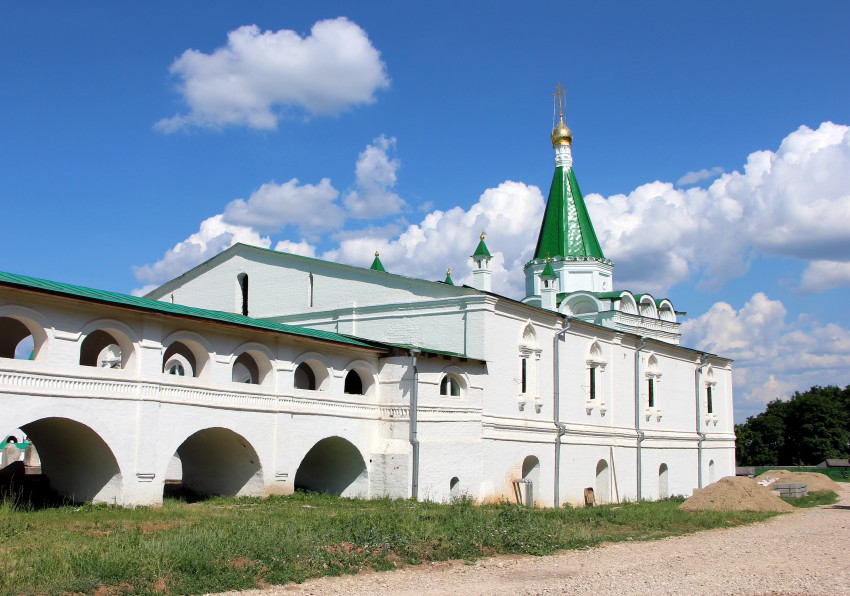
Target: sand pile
point(735, 494)
point(815, 480)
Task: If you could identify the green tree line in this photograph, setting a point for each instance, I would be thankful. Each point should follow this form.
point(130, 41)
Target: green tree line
point(802, 431)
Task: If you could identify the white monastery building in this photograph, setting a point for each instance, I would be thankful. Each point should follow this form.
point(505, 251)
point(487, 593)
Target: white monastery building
point(260, 372)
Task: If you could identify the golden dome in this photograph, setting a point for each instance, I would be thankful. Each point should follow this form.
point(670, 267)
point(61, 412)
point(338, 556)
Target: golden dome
point(561, 134)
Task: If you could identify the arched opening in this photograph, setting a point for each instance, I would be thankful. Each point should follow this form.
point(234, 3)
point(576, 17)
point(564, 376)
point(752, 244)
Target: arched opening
point(450, 386)
point(16, 340)
point(353, 383)
point(335, 466)
point(245, 370)
point(663, 486)
point(711, 471)
point(215, 461)
point(179, 360)
point(305, 378)
point(454, 488)
point(101, 349)
point(66, 459)
point(603, 482)
point(242, 280)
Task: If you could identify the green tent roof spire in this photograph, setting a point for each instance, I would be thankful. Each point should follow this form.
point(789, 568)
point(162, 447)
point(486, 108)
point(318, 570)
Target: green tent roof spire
point(548, 272)
point(481, 250)
point(567, 230)
point(376, 264)
point(448, 279)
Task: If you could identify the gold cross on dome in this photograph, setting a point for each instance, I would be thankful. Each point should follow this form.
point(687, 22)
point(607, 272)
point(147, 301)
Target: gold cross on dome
point(558, 98)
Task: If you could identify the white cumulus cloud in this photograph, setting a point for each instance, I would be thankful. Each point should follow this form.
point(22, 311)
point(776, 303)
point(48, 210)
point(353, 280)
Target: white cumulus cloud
point(772, 356)
point(375, 177)
point(260, 76)
point(793, 202)
point(510, 213)
point(311, 208)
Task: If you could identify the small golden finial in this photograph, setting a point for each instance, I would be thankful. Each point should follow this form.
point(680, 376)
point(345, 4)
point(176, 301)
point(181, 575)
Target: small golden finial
point(449, 271)
point(483, 233)
point(377, 253)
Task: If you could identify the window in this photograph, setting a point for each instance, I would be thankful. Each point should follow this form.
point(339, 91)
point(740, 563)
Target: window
point(592, 382)
point(179, 360)
point(708, 400)
point(242, 278)
point(450, 386)
point(651, 391)
point(305, 378)
point(353, 383)
point(101, 349)
point(175, 368)
point(16, 340)
point(245, 370)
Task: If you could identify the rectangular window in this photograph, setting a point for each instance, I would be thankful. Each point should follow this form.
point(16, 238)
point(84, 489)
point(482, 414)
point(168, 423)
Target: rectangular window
point(524, 375)
point(708, 404)
point(651, 392)
point(592, 382)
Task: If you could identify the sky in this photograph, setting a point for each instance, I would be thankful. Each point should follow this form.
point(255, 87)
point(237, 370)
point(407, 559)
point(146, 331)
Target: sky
point(711, 142)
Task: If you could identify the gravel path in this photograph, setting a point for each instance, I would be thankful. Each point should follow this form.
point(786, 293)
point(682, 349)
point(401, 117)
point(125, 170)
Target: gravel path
point(805, 552)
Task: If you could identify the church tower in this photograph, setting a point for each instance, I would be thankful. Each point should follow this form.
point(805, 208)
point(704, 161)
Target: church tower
point(567, 243)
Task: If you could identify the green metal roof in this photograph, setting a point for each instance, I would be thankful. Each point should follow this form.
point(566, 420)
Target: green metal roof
point(377, 265)
point(149, 304)
point(548, 272)
point(481, 249)
point(566, 230)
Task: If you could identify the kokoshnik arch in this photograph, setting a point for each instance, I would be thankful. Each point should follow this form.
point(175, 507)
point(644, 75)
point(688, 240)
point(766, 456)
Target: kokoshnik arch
point(261, 372)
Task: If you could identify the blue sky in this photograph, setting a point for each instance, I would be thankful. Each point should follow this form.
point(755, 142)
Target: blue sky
point(409, 127)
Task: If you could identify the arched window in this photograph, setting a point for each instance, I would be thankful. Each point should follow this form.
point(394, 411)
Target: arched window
point(305, 378)
point(16, 340)
point(595, 368)
point(245, 370)
point(179, 360)
point(653, 377)
point(709, 391)
point(450, 386)
point(100, 349)
point(454, 488)
point(353, 383)
point(663, 482)
point(529, 355)
point(242, 279)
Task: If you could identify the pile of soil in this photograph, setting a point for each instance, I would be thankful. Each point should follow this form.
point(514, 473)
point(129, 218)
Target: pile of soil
point(815, 481)
point(735, 494)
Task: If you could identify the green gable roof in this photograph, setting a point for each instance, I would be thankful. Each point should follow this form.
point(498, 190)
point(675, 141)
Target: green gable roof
point(566, 230)
point(149, 304)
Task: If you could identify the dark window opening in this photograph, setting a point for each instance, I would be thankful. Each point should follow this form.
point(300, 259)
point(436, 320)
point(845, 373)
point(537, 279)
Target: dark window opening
point(353, 383)
point(245, 370)
point(450, 386)
point(592, 382)
point(243, 285)
point(651, 393)
point(99, 348)
point(16, 341)
point(708, 400)
point(305, 378)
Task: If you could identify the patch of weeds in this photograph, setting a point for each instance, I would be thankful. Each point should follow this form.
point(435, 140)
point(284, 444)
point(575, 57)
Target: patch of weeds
point(813, 499)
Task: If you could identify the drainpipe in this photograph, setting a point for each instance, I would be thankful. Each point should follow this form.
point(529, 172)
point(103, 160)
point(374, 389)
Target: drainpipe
point(640, 436)
point(700, 434)
point(414, 410)
point(556, 409)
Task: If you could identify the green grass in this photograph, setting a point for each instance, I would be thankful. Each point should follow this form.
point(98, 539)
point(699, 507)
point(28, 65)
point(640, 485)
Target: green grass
point(225, 543)
point(814, 499)
point(837, 474)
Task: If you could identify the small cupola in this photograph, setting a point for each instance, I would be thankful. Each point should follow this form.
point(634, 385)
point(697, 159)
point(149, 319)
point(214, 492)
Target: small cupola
point(481, 266)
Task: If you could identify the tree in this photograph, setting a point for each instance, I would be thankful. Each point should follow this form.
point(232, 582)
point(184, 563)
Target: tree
point(805, 430)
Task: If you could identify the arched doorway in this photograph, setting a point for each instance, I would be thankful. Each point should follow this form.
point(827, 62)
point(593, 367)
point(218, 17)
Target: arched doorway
point(711, 471)
point(663, 486)
point(531, 473)
point(335, 466)
point(603, 482)
point(76, 462)
point(216, 461)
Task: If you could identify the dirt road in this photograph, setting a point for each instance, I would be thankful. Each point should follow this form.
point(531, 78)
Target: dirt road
point(805, 552)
